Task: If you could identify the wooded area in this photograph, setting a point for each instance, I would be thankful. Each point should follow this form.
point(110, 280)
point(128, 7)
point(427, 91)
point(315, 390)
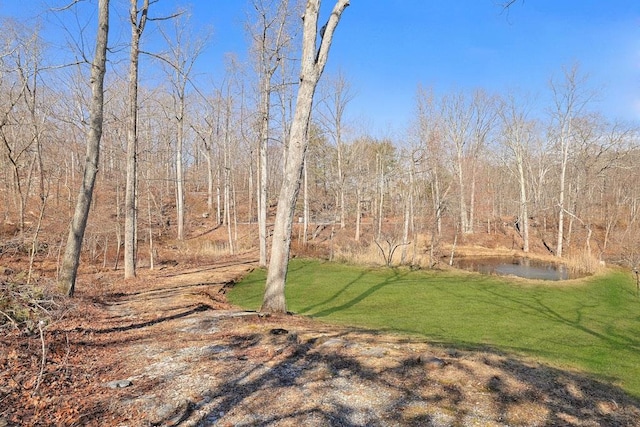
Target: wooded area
point(180, 154)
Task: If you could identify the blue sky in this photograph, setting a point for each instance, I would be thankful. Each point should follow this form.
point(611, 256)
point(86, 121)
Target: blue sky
point(387, 47)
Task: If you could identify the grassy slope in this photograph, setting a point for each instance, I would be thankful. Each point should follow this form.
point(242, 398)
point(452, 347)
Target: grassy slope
point(592, 325)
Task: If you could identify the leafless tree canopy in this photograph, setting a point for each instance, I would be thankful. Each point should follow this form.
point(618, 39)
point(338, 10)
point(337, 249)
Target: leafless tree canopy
point(187, 156)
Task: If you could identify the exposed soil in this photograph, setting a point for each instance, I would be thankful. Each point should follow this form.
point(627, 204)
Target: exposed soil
point(167, 349)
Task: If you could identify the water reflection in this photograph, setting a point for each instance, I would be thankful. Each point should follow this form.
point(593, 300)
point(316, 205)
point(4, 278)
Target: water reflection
point(521, 267)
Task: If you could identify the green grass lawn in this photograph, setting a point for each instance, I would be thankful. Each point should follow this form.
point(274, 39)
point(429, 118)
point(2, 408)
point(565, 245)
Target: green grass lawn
point(592, 325)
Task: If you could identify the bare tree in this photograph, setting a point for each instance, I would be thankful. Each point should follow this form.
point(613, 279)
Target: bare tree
point(338, 94)
point(429, 129)
point(458, 116)
point(570, 100)
point(205, 129)
point(467, 123)
point(183, 51)
point(413, 158)
point(270, 41)
point(130, 221)
point(385, 158)
point(20, 128)
point(225, 150)
point(311, 68)
point(359, 171)
point(517, 135)
point(71, 259)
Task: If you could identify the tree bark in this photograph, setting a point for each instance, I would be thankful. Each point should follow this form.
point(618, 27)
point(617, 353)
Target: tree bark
point(262, 169)
point(312, 66)
point(380, 207)
point(524, 211)
point(227, 173)
point(305, 218)
point(179, 166)
point(130, 212)
point(71, 259)
point(358, 214)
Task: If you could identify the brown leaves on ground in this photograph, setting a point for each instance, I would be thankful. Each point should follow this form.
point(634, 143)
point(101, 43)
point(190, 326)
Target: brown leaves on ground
point(167, 350)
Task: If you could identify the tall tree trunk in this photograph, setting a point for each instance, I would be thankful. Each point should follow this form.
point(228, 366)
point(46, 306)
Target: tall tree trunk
point(305, 219)
point(524, 212)
point(563, 174)
point(179, 59)
point(437, 204)
point(312, 66)
point(338, 97)
point(461, 188)
point(472, 202)
point(130, 211)
point(218, 194)
point(358, 214)
point(408, 214)
point(71, 259)
point(180, 171)
point(271, 39)
point(250, 188)
point(262, 170)
point(150, 223)
point(227, 175)
point(340, 174)
point(570, 99)
point(210, 181)
point(380, 207)
point(118, 228)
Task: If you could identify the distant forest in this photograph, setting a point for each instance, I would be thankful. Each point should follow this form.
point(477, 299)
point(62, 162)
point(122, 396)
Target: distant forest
point(211, 151)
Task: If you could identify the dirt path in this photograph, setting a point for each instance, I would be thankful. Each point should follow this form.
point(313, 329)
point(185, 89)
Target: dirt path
point(168, 350)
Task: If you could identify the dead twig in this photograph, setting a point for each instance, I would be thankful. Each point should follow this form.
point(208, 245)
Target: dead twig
point(13, 322)
point(43, 360)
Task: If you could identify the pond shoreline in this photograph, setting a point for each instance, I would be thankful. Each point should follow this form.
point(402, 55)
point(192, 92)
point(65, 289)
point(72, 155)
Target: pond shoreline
point(524, 267)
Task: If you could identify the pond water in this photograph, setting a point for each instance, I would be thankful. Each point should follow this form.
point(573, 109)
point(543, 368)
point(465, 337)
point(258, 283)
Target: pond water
point(521, 267)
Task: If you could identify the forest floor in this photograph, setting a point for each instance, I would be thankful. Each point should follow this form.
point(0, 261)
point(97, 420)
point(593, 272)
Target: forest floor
point(167, 349)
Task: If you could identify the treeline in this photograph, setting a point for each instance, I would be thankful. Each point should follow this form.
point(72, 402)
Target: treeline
point(469, 162)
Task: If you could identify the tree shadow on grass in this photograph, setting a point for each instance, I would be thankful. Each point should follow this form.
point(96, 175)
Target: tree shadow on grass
point(334, 296)
point(545, 311)
point(397, 275)
point(591, 331)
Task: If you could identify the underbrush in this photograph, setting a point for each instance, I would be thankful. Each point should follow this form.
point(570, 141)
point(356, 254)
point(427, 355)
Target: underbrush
point(26, 306)
point(584, 263)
